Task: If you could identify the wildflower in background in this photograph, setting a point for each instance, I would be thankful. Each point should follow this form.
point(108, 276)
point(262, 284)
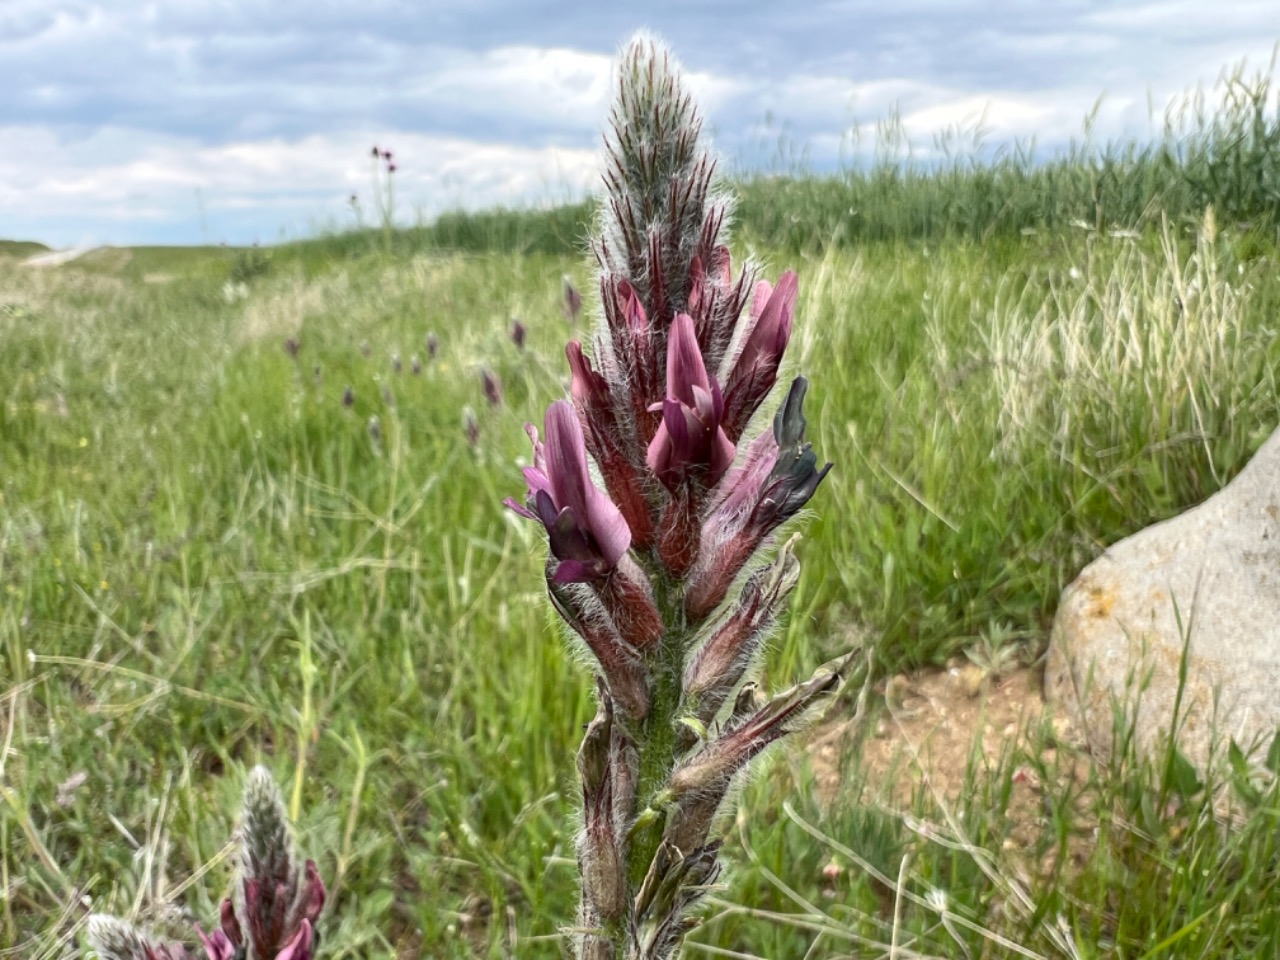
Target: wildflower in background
point(572, 301)
point(274, 906)
point(348, 397)
point(388, 398)
point(518, 334)
point(115, 939)
point(375, 429)
point(415, 365)
point(471, 427)
point(433, 345)
point(396, 365)
point(492, 387)
point(292, 346)
point(648, 571)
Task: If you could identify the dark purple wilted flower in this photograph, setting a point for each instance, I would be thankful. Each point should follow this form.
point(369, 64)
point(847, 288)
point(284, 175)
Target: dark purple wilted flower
point(348, 397)
point(690, 441)
point(518, 333)
point(433, 345)
point(572, 301)
point(376, 153)
point(587, 532)
point(292, 346)
point(492, 387)
point(779, 476)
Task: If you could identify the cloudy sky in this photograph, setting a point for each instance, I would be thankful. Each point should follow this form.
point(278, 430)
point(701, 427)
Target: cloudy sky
point(189, 121)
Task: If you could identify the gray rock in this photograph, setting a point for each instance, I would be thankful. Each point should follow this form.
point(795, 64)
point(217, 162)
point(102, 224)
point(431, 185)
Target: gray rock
point(1211, 574)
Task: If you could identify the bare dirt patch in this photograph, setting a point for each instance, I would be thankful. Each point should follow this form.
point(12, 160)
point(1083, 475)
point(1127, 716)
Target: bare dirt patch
point(941, 731)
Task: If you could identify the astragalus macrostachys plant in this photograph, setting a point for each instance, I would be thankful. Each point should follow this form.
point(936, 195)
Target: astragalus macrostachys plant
point(274, 904)
point(663, 573)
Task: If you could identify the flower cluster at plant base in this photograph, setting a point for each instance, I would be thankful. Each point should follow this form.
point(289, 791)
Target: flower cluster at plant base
point(643, 570)
point(272, 912)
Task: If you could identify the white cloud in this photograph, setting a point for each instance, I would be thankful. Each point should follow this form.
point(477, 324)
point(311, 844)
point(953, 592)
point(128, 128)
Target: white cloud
point(300, 185)
point(121, 111)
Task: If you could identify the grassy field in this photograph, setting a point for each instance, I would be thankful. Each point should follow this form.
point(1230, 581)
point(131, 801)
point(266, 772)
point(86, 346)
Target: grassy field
point(208, 560)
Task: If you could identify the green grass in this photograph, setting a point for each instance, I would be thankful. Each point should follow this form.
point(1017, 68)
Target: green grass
point(206, 561)
point(21, 248)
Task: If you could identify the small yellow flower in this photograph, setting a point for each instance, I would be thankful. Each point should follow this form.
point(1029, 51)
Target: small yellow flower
point(84, 442)
point(103, 585)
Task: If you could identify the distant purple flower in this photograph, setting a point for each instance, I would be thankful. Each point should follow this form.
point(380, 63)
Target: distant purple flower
point(376, 153)
point(415, 366)
point(396, 365)
point(518, 333)
point(433, 345)
point(348, 397)
point(292, 346)
point(587, 531)
point(471, 426)
point(690, 441)
point(572, 301)
point(492, 387)
point(391, 167)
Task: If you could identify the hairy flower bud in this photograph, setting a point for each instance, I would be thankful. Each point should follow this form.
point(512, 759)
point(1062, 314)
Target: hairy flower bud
point(622, 667)
point(755, 370)
point(721, 662)
point(599, 853)
point(712, 767)
point(606, 441)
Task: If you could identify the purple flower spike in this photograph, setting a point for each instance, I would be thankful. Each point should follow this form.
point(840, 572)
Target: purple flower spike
point(518, 334)
point(690, 440)
point(588, 533)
